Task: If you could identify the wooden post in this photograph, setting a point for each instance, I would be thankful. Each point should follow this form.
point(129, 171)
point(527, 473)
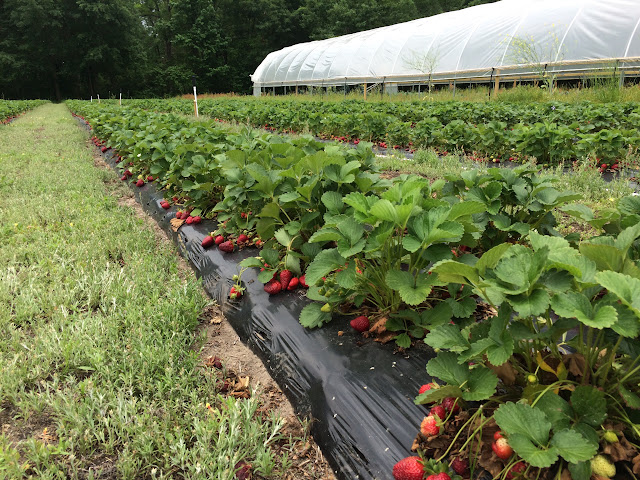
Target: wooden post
point(496, 86)
point(296, 89)
point(365, 91)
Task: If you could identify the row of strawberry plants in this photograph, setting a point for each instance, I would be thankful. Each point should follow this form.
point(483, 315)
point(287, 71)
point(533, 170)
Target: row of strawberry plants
point(9, 109)
point(537, 334)
point(550, 132)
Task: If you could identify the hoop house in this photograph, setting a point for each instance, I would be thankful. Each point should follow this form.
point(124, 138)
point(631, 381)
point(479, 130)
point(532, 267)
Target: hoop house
point(506, 40)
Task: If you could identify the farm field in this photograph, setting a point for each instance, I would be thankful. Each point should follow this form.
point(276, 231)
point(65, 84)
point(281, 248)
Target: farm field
point(104, 359)
point(549, 131)
point(532, 328)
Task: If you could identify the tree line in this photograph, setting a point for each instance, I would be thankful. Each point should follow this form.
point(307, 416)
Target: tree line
point(60, 49)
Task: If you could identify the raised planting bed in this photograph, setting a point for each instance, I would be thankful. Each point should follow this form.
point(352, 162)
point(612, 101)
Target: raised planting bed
point(533, 335)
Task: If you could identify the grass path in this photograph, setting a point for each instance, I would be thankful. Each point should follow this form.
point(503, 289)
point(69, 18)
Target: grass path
point(98, 377)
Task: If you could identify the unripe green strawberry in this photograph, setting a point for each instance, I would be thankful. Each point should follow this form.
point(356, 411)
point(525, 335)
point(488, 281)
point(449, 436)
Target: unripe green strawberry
point(326, 308)
point(601, 465)
point(610, 436)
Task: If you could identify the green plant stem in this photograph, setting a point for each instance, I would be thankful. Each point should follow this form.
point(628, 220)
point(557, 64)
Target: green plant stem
point(461, 430)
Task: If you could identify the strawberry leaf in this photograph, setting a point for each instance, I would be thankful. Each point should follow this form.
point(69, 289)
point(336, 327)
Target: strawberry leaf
point(626, 288)
point(446, 367)
point(312, 316)
point(447, 336)
point(530, 453)
point(580, 471)
point(590, 405)
point(482, 384)
point(412, 290)
point(630, 399)
point(576, 305)
point(528, 304)
point(573, 447)
point(525, 420)
point(324, 263)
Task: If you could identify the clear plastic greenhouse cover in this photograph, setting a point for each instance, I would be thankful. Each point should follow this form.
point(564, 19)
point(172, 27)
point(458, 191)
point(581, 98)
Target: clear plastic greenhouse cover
point(475, 42)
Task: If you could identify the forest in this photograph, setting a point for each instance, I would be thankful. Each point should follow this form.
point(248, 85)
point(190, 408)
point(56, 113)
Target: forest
point(57, 49)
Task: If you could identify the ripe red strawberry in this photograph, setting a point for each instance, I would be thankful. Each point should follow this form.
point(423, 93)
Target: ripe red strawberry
point(439, 476)
point(409, 468)
point(460, 465)
point(429, 426)
point(207, 241)
point(273, 287)
point(516, 470)
point(360, 323)
point(123, 178)
point(439, 411)
point(140, 183)
point(303, 281)
point(165, 205)
point(293, 284)
point(227, 246)
point(197, 219)
point(216, 362)
point(502, 448)
point(242, 238)
point(285, 278)
point(243, 470)
point(189, 220)
point(233, 293)
point(128, 173)
point(450, 403)
point(150, 178)
point(103, 149)
point(219, 239)
point(426, 387)
point(497, 435)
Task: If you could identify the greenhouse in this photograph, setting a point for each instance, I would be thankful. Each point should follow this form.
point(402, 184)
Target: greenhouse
point(504, 42)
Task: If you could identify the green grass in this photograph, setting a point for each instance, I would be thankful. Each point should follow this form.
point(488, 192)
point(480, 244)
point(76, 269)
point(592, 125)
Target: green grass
point(97, 323)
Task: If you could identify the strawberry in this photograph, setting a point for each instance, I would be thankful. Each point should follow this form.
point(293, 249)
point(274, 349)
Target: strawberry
point(217, 363)
point(426, 387)
point(460, 465)
point(602, 466)
point(497, 435)
point(123, 178)
point(207, 241)
point(140, 183)
point(242, 470)
point(360, 323)
point(516, 470)
point(233, 293)
point(227, 246)
point(128, 173)
point(439, 476)
point(285, 278)
point(189, 220)
point(150, 178)
point(273, 287)
point(165, 205)
point(303, 282)
point(439, 411)
point(197, 219)
point(179, 214)
point(242, 238)
point(103, 149)
point(293, 284)
point(219, 239)
point(502, 448)
point(409, 468)
point(429, 426)
point(451, 403)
